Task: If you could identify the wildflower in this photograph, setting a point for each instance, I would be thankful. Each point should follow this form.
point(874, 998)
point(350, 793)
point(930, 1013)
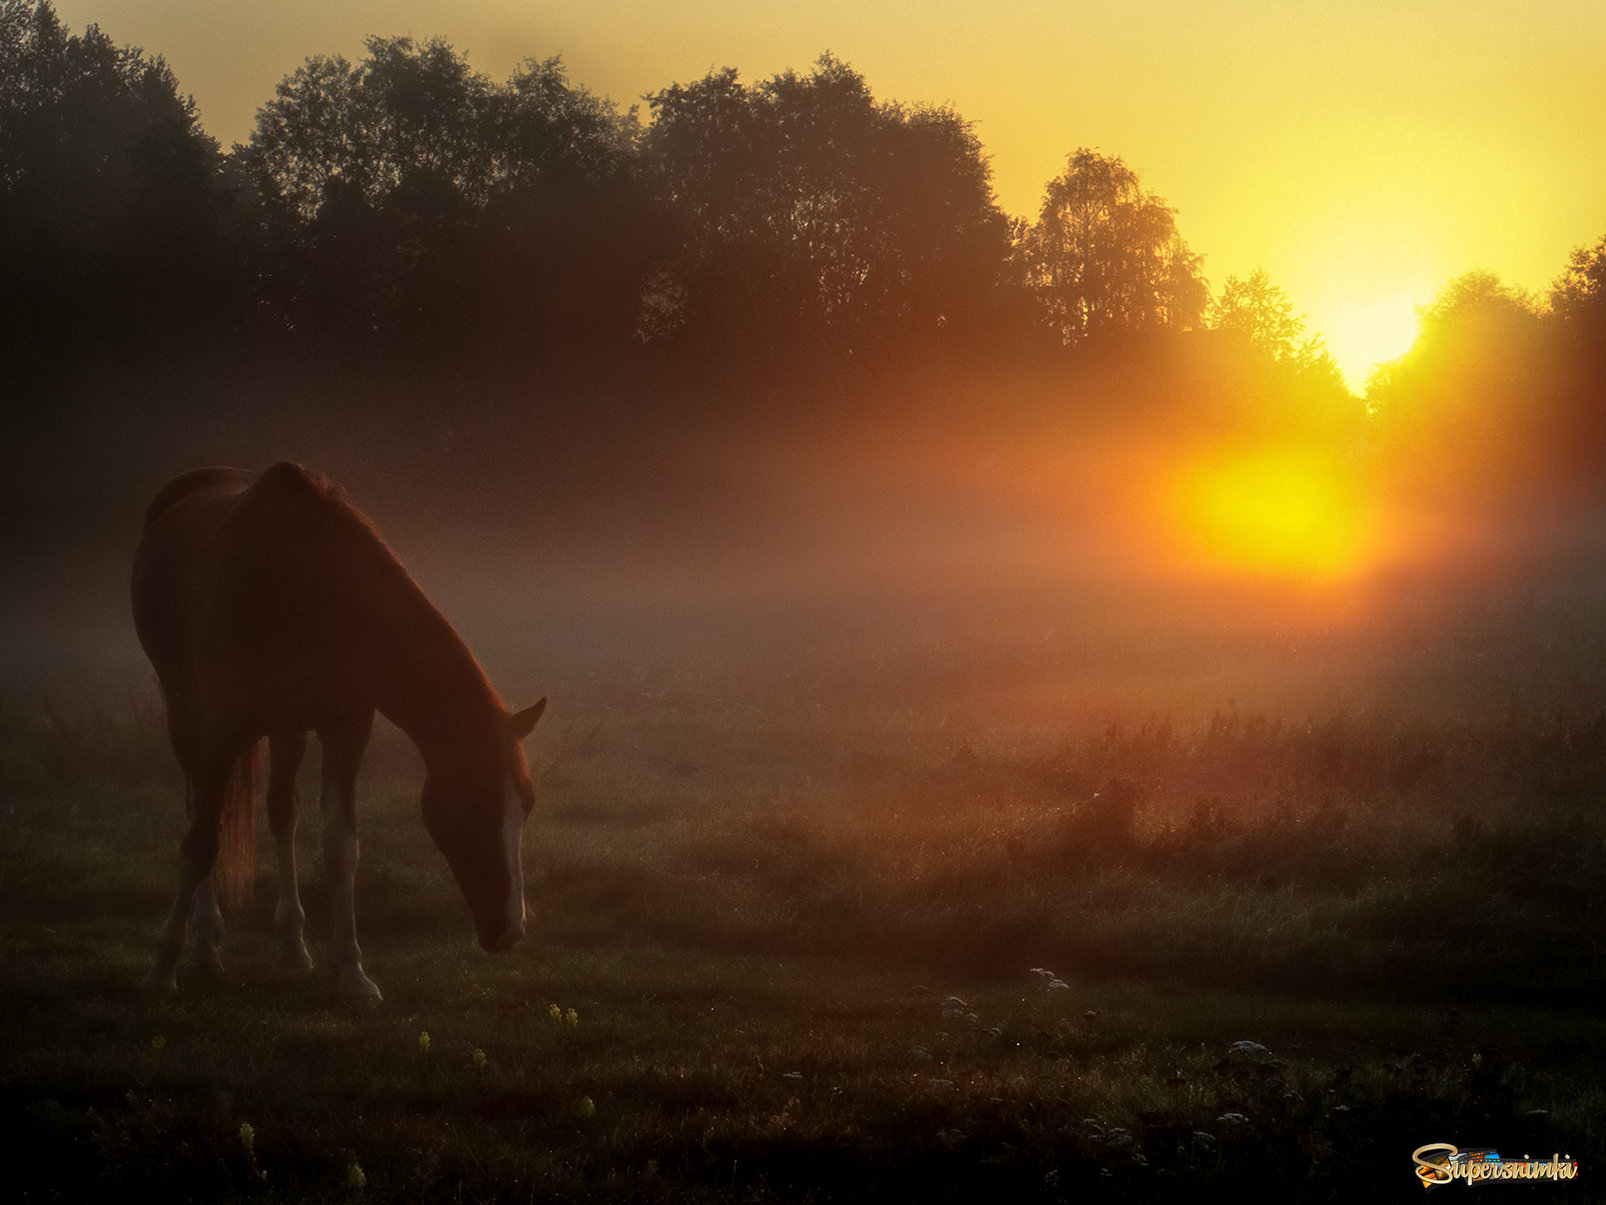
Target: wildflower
point(1249, 1052)
point(479, 1060)
point(587, 1107)
point(955, 1009)
point(355, 1179)
point(423, 1043)
point(158, 1042)
point(1235, 1125)
point(556, 1014)
point(248, 1139)
point(572, 1019)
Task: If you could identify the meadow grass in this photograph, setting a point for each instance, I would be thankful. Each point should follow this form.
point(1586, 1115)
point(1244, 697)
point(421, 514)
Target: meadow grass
point(783, 952)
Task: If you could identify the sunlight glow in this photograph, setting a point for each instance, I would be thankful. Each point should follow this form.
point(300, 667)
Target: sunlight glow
point(1286, 512)
point(1365, 334)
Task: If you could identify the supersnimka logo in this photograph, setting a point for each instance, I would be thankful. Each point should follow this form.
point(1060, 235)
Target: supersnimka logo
point(1441, 1163)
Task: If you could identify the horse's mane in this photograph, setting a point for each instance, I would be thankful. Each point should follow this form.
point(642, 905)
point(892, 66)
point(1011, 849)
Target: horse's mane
point(329, 501)
point(322, 509)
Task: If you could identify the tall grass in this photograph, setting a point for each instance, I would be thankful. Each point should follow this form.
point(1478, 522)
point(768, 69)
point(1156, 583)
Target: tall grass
point(798, 942)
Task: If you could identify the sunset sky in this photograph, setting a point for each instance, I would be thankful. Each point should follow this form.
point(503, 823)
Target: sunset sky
point(1362, 152)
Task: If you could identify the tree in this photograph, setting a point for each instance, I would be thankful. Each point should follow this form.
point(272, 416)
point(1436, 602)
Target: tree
point(1578, 318)
point(1474, 304)
point(1578, 298)
point(804, 209)
point(1261, 315)
point(411, 199)
point(1104, 256)
point(568, 232)
point(1471, 415)
point(406, 123)
point(109, 206)
point(1258, 312)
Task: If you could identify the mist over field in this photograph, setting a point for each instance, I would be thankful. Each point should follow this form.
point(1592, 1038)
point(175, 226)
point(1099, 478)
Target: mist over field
point(1009, 565)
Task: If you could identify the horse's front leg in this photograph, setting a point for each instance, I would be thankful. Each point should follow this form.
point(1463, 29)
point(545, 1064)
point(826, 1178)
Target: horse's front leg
point(286, 752)
point(342, 753)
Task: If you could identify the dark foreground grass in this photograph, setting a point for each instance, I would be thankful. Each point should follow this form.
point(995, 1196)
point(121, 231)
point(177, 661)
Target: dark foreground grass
point(780, 957)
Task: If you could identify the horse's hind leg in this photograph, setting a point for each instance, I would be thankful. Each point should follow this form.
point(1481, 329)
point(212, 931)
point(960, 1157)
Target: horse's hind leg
point(206, 932)
point(343, 747)
point(285, 753)
point(197, 854)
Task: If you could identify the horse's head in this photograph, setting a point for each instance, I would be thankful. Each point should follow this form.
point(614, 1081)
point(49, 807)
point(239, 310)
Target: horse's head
point(475, 803)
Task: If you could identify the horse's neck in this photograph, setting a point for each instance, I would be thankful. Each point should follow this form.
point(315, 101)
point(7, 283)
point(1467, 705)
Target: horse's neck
point(419, 672)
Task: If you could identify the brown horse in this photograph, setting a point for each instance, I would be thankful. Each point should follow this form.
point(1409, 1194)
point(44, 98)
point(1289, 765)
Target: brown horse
point(271, 608)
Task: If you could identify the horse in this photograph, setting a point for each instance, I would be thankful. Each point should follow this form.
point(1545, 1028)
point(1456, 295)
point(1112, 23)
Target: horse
point(270, 608)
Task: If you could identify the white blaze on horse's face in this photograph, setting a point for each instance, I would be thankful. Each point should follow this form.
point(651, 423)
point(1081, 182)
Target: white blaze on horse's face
point(513, 813)
point(475, 805)
point(481, 831)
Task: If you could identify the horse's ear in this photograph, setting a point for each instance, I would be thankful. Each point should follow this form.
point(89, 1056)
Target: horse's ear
point(524, 721)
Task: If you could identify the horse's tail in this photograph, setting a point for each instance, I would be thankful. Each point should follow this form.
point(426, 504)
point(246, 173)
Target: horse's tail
point(236, 852)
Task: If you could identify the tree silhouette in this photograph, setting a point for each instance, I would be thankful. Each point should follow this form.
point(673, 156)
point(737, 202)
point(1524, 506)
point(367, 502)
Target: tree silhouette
point(1260, 313)
point(1578, 298)
point(1470, 415)
point(409, 197)
point(1104, 256)
point(804, 210)
point(1578, 316)
point(109, 210)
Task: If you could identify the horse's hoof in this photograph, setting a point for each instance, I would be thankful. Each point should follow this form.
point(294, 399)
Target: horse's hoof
point(159, 983)
point(354, 985)
point(295, 958)
point(206, 966)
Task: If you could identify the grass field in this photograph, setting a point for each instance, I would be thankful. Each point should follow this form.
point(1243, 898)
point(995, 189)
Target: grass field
point(798, 951)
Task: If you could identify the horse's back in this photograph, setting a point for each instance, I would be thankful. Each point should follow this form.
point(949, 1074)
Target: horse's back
point(217, 483)
point(199, 528)
point(171, 563)
point(250, 590)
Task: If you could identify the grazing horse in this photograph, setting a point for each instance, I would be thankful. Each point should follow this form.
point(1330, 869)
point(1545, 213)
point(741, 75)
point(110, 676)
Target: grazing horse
point(270, 608)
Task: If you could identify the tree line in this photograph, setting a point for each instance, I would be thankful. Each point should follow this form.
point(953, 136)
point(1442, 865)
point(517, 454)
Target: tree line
point(406, 200)
point(405, 207)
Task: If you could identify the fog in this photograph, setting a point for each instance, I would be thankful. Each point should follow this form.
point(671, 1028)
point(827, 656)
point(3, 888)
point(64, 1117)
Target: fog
point(996, 551)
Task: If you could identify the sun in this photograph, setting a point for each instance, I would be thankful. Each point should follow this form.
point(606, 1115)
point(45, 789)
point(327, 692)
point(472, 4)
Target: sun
point(1284, 512)
point(1361, 334)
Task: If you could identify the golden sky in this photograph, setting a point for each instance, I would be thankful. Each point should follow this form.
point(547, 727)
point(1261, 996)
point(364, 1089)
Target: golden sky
point(1362, 151)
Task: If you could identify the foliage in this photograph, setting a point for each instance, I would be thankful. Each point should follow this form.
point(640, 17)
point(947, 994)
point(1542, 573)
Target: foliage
point(1578, 297)
point(1475, 415)
point(806, 210)
point(109, 210)
point(1303, 389)
point(1260, 313)
point(410, 197)
point(1104, 256)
